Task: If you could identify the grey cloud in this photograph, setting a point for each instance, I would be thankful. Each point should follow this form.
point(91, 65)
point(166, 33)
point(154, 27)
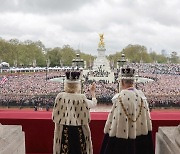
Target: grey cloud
point(162, 12)
point(41, 6)
point(166, 18)
point(71, 23)
point(57, 22)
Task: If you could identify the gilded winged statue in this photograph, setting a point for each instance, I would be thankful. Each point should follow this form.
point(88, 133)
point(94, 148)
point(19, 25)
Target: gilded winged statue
point(101, 43)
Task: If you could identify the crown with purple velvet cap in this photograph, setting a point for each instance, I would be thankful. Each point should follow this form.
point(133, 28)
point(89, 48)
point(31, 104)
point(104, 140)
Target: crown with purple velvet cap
point(127, 73)
point(73, 76)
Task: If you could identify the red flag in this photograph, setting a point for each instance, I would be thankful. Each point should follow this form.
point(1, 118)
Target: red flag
point(3, 80)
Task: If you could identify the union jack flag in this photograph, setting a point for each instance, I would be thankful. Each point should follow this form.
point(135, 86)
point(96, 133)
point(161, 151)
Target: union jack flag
point(3, 80)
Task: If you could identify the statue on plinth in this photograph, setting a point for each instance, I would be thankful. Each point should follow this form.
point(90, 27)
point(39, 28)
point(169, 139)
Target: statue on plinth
point(101, 61)
point(101, 42)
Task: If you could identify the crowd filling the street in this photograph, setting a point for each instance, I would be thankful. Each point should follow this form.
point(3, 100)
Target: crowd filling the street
point(33, 89)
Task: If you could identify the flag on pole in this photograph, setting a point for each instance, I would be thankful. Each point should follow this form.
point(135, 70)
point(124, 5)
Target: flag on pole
point(3, 80)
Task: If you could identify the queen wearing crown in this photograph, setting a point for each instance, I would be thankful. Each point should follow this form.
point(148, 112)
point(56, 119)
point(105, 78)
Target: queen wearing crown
point(128, 127)
point(72, 117)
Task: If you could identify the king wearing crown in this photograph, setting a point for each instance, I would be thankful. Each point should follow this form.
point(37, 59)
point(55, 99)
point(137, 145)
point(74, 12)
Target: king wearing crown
point(128, 129)
point(72, 117)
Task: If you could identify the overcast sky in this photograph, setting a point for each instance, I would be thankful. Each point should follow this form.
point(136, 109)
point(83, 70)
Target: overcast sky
point(152, 23)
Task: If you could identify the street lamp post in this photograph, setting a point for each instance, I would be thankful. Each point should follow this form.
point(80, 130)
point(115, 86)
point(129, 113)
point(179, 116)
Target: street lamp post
point(78, 62)
point(60, 63)
point(120, 64)
point(34, 64)
point(47, 65)
point(121, 61)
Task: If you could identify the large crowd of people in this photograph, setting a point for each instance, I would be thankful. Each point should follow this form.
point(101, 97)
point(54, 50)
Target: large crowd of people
point(157, 68)
point(36, 88)
point(98, 73)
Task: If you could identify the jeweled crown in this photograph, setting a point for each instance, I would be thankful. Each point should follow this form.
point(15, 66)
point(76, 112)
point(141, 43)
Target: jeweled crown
point(127, 72)
point(73, 75)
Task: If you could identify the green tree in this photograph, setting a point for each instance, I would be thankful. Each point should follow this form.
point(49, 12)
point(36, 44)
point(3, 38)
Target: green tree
point(114, 58)
point(136, 53)
point(54, 55)
point(86, 57)
point(174, 57)
point(133, 53)
point(67, 54)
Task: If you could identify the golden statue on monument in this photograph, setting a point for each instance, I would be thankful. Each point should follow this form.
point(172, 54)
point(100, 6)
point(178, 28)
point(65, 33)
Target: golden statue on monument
point(101, 43)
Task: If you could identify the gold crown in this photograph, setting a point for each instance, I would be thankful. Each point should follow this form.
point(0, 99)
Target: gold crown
point(73, 75)
point(127, 73)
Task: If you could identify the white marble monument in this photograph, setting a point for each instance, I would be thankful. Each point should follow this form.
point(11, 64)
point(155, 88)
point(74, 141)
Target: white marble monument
point(101, 64)
point(12, 139)
point(101, 61)
point(168, 140)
